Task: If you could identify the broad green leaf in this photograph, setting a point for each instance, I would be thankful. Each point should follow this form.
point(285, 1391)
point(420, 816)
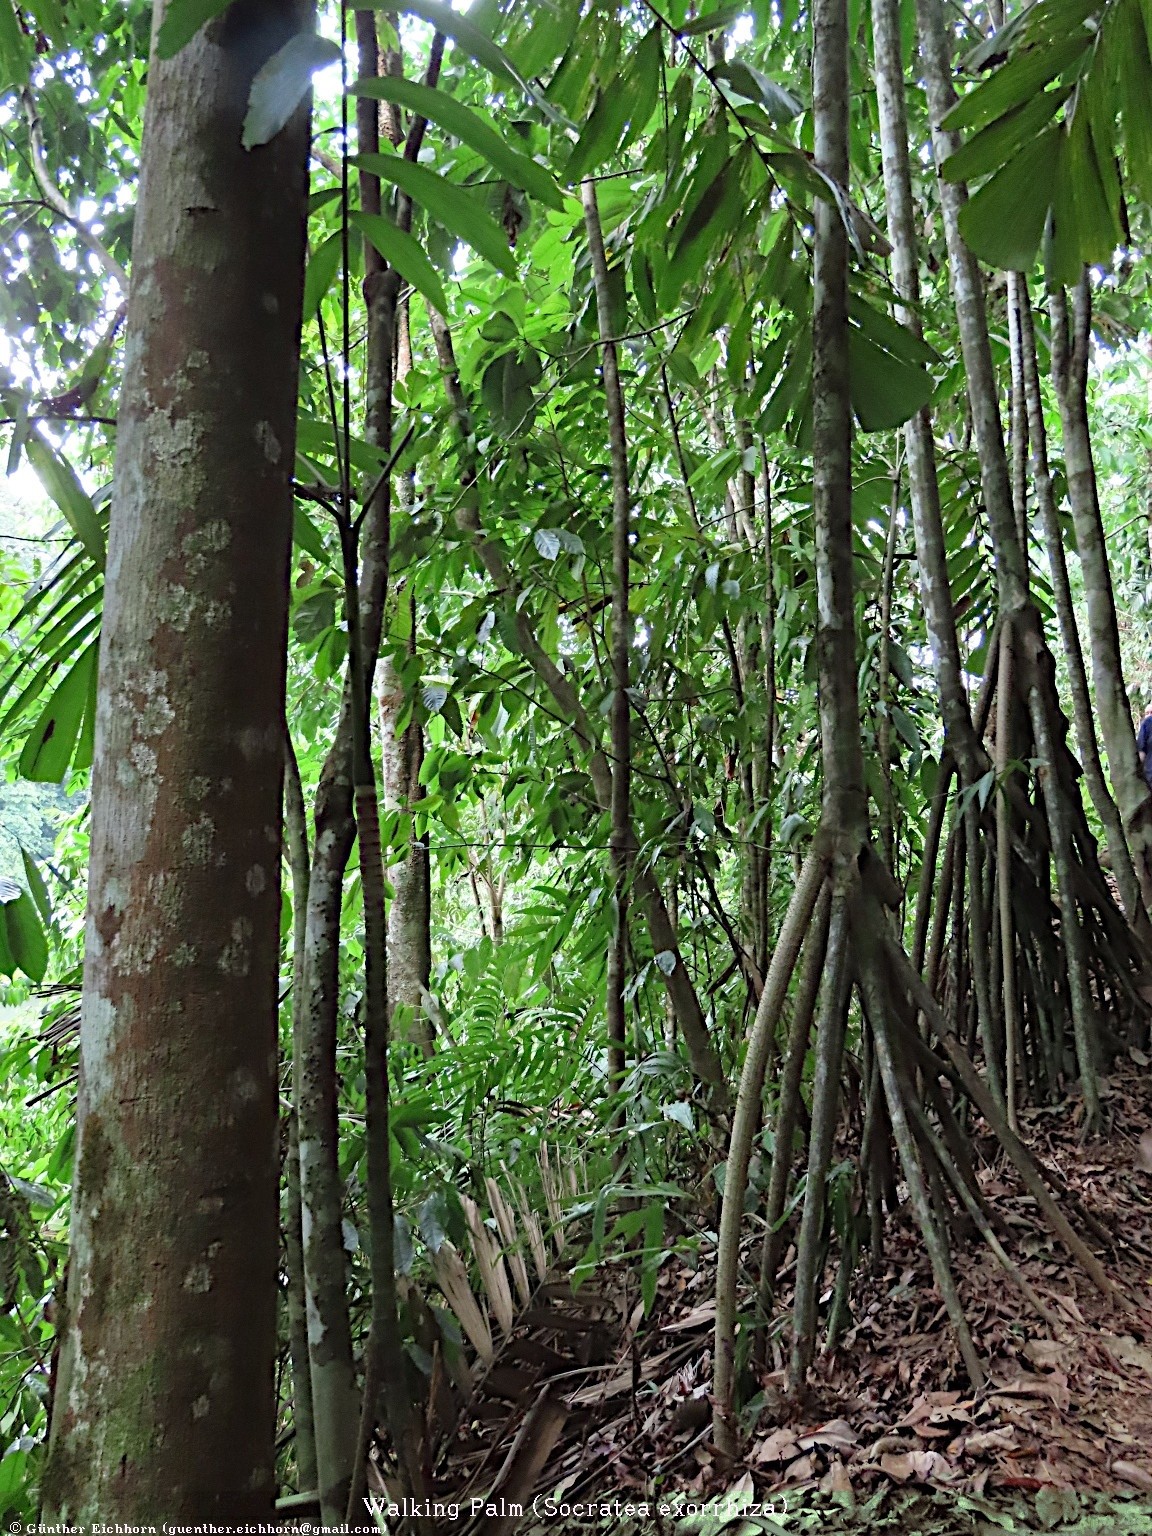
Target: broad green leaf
point(1016, 82)
point(1129, 36)
point(601, 135)
point(642, 84)
point(890, 334)
point(322, 268)
point(8, 966)
point(448, 204)
point(886, 390)
point(404, 253)
point(24, 935)
point(654, 1231)
point(48, 750)
point(466, 34)
point(1091, 179)
point(470, 128)
point(306, 535)
point(1101, 108)
point(182, 20)
point(507, 390)
point(314, 434)
point(780, 105)
point(49, 16)
point(58, 652)
point(713, 21)
point(709, 204)
point(282, 83)
point(86, 742)
point(13, 47)
point(994, 146)
point(1004, 222)
point(59, 479)
point(37, 888)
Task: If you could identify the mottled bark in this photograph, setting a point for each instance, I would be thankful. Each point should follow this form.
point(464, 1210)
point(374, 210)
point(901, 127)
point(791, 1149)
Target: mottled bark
point(409, 913)
point(165, 1406)
point(335, 1401)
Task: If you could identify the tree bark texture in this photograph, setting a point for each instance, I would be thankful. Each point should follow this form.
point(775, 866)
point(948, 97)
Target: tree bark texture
point(165, 1405)
point(409, 913)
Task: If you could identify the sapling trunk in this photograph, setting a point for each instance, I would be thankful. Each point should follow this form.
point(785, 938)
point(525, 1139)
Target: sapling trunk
point(620, 834)
point(789, 1103)
point(1004, 869)
point(825, 1109)
point(745, 1123)
point(884, 679)
point(300, 865)
point(1071, 931)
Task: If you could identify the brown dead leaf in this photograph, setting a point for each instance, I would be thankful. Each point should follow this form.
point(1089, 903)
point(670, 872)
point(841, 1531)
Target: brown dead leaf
point(921, 1465)
point(1127, 1351)
point(802, 1470)
point(1139, 1477)
point(1046, 1354)
point(1054, 1387)
point(779, 1446)
point(1070, 1309)
point(705, 1313)
point(989, 1441)
point(836, 1479)
point(837, 1433)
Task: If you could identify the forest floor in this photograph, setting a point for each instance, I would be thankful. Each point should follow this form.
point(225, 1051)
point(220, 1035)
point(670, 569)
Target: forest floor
point(892, 1435)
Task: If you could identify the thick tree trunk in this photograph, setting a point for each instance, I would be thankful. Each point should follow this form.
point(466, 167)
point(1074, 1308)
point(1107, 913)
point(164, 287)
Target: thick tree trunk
point(165, 1403)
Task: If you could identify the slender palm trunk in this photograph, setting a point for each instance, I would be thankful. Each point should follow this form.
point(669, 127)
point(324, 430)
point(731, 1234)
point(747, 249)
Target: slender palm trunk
point(1071, 353)
point(620, 809)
